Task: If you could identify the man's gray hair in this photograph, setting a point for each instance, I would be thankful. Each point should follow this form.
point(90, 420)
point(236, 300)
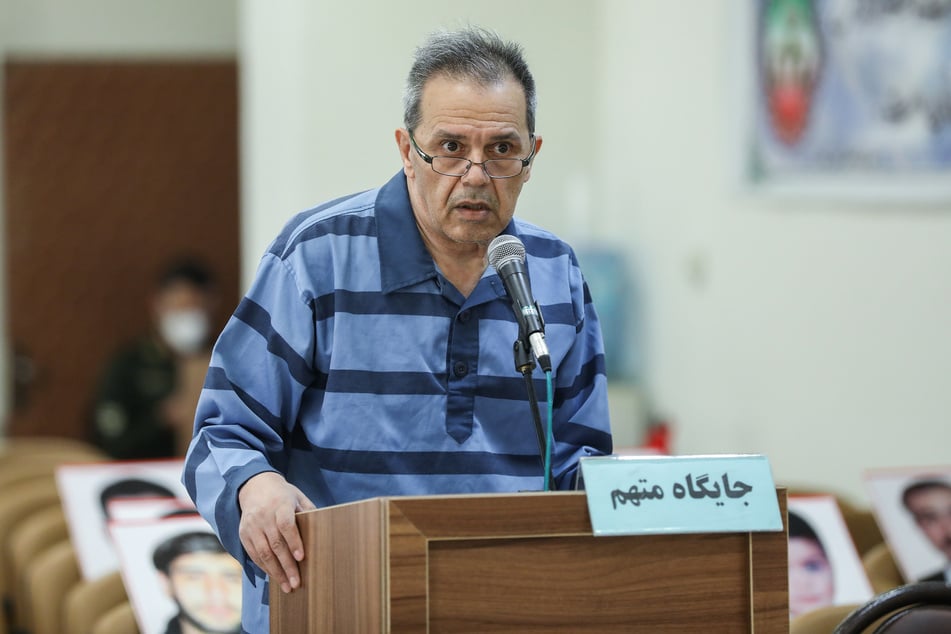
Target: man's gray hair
point(472, 53)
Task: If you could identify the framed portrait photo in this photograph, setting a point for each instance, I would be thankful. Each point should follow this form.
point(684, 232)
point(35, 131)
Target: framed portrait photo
point(912, 506)
point(824, 566)
point(178, 576)
point(89, 492)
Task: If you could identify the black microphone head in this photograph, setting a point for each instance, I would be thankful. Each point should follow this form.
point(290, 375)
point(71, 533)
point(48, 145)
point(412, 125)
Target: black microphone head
point(504, 249)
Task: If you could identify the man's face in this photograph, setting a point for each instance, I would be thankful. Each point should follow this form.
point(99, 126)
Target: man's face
point(931, 509)
point(207, 588)
point(466, 119)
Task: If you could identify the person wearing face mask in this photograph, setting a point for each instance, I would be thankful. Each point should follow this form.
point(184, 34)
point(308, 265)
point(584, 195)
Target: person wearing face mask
point(146, 396)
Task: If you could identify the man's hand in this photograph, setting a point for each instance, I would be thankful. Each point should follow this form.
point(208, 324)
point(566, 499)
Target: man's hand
point(268, 530)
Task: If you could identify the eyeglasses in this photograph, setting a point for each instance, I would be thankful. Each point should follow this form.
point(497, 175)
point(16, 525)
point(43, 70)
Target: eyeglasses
point(458, 166)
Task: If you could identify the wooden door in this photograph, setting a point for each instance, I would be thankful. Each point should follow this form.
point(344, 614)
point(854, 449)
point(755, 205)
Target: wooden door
point(111, 169)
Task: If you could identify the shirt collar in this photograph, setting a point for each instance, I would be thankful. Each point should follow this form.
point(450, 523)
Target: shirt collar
point(404, 259)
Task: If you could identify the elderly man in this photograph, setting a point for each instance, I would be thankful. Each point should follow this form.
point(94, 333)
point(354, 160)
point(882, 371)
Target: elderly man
point(373, 354)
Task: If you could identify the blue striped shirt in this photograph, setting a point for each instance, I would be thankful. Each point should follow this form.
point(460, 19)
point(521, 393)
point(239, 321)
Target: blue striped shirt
point(354, 368)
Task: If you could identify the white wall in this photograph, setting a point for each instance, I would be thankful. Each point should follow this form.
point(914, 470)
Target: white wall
point(321, 100)
point(127, 28)
point(812, 331)
point(321, 94)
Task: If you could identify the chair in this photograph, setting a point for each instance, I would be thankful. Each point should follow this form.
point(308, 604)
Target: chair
point(862, 526)
point(118, 620)
point(20, 465)
point(46, 451)
point(87, 601)
point(19, 501)
point(28, 540)
point(21, 469)
point(48, 579)
point(821, 620)
point(916, 608)
point(931, 619)
point(882, 571)
point(18, 445)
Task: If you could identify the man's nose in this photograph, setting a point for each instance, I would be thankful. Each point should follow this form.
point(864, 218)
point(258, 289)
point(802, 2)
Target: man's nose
point(477, 174)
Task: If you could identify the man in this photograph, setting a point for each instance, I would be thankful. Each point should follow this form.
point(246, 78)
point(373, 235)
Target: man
point(204, 582)
point(929, 502)
point(142, 398)
point(373, 354)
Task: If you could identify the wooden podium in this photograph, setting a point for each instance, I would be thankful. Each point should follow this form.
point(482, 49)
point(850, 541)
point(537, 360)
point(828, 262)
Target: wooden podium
point(525, 562)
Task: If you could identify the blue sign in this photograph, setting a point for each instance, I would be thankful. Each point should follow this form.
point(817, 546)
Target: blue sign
point(632, 495)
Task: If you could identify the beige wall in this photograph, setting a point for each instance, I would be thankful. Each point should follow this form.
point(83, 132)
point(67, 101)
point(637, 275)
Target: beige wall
point(810, 330)
point(322, 89)
point(813, 331)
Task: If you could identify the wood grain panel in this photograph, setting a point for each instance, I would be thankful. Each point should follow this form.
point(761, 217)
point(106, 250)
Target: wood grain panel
point(343, 568)
point(769, 557)
point(585, 584)
point(408, 578)
point(529, 563)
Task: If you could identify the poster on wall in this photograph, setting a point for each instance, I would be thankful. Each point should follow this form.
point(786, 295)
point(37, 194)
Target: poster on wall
point(851, 97)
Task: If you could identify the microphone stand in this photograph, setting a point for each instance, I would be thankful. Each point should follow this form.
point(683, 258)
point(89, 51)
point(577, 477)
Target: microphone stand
point(525, 363)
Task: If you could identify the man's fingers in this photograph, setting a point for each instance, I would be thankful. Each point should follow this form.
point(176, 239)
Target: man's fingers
point(287, 526)
point(269, 549)
point(286, 560)
point(304, 503)
point(274, 558)
point(268, 527)
point(259, 549)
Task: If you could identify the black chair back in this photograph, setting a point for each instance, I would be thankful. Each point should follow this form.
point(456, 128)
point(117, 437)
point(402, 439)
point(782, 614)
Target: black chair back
point(918, 608)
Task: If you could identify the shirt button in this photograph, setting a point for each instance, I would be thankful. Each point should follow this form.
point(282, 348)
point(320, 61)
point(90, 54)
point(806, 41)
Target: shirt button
point(465, 316)
point(460, 368)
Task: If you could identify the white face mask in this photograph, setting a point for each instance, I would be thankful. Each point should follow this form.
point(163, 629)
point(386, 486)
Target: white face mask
point(184, 331)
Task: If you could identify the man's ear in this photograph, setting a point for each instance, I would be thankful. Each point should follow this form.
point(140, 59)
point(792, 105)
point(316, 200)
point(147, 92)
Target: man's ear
point(528, 170)
point(402, 142)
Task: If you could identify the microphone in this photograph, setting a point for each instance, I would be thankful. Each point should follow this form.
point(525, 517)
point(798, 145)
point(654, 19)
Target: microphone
point(507, 256)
